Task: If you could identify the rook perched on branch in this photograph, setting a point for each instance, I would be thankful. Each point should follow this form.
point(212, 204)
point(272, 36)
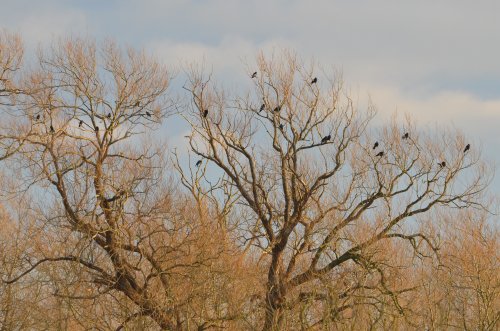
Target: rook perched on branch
point(326, 139)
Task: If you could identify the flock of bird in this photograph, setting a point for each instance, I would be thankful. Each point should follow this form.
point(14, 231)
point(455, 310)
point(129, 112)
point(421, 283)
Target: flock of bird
point(441, 164)
point(324, 140)
point(327, 138)
point(96, 128)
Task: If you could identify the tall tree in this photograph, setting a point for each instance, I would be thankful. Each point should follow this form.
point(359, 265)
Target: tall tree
point(77, 135)
point(319, 208)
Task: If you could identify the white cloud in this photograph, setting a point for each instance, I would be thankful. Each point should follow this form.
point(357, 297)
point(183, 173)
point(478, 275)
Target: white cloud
point(441, 107)
point(226, 58)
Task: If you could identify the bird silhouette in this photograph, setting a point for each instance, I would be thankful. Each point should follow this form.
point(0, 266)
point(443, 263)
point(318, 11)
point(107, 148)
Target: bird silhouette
point(381, 153)
point(406, 135)
point(96, 128)
point(80, 124)
point(281, 127)
point(254, 74)
point(315, 80)
point(137, 104)
point(467, 148)
point(375, 145)
point(262, 107)
point(37, 117)
point(109, 115)
point(148, 114)
point(52, 129)
point(205, 113)
point(277, 109)
point(326, 139)
point(198, 163)
point(442, 164)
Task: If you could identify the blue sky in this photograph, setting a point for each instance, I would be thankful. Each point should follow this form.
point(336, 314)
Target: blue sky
point(436, 60)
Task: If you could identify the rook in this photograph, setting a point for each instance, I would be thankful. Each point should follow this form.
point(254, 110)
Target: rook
point(326, 139)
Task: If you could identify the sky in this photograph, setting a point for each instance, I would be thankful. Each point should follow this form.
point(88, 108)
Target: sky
point(435, 60)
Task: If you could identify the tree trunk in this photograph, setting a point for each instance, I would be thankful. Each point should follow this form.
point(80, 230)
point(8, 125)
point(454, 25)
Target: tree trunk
point(275, 292)
point(274, 312)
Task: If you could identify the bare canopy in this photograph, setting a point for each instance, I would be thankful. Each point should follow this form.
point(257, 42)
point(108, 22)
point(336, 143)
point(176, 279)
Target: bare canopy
point(320, 206)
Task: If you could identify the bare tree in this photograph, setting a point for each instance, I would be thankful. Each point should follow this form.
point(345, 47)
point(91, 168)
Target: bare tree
point(113, 224)
point(325, 192)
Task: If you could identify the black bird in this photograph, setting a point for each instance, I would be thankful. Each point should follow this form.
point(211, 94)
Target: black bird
point(80, 124)
point(277, 109)
point(51, 129)
point(381, 153)
point(37, 117)
point(467, 148)
point(198, 163)
point(326, 139)
point(262, 107)
point(96, 128)
point(315, 80)
point(281, 127)
point(148, 114)
point(442, 164)
point(254, 74)
point(406, 135)
point(109, 115)
point(205, 113)
point(375, 145)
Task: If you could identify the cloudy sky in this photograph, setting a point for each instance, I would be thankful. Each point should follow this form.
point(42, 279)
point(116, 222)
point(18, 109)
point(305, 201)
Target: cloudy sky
point(436, 60)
